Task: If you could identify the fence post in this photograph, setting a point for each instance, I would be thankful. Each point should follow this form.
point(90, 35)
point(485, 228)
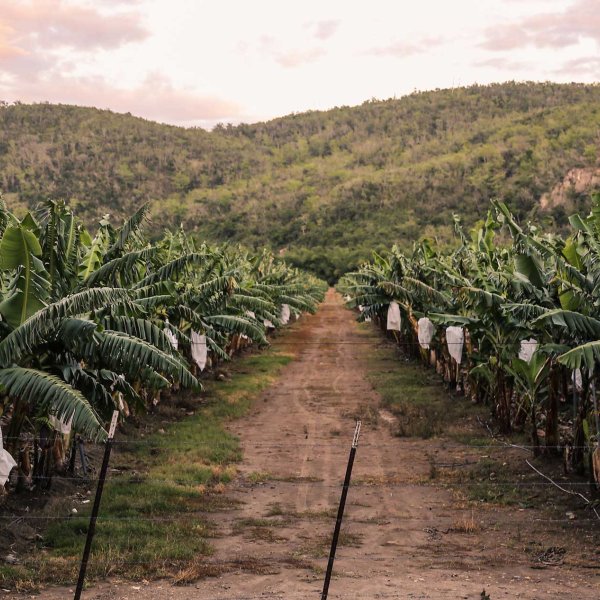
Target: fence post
point(96, 507)
point(340, 515)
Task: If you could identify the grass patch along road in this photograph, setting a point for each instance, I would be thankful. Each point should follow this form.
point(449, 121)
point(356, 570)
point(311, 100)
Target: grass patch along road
point(422, 407)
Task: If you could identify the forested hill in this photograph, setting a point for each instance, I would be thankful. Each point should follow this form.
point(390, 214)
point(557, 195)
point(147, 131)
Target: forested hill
point(326, 187)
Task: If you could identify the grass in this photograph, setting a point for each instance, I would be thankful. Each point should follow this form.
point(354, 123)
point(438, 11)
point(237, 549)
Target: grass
point(259, 529)
point(275, 509)
point(320, 547)
point(259, 477)
point(466, 525)
point(154, 515)
point(495, 481)
point(415, 395)
point(423, 408)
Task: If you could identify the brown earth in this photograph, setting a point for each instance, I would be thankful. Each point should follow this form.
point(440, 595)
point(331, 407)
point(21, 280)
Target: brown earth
point(404, 534)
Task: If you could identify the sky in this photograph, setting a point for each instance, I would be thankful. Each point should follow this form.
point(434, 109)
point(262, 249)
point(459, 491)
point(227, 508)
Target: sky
point(203, 62)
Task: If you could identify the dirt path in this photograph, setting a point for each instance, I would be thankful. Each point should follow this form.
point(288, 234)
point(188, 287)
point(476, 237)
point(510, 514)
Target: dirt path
point(401, 537)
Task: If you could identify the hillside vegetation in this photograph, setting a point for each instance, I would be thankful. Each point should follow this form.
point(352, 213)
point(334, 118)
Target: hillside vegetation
point(325, 187)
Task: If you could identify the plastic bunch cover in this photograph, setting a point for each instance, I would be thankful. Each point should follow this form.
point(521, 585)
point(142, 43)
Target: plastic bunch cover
point(393, 317)
point(528, 347)
point(61, 426)
point(425, 332)
point(285, 314)
point(199, 349)
point(455, 338)
point(7, 462)
point(577, 379)
point(268, 324)
point(172, 338)
point(596, 464)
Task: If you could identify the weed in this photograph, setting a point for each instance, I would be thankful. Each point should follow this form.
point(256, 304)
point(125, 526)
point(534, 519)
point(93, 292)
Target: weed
point(319, 547)
point(432, 468)
point(241, 524)
point(415, 397)
point(465, 525)
point(259, 477)
point(275, 510)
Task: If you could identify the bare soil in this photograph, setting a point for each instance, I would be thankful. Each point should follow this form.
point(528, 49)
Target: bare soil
point(406, 534)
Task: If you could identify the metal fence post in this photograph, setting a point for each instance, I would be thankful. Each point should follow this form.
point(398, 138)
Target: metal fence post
point(340, 515)
point(96, 507)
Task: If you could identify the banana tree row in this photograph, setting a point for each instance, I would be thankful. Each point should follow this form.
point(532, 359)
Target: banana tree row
point(91, 322)
point(514, 323)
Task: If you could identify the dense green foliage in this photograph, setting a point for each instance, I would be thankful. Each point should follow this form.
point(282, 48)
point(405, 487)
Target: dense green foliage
point(93, 323)
point(540, 291)
point(325, 186)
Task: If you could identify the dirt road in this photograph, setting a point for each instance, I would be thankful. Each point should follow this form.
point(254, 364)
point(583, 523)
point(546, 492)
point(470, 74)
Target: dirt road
point(402, 536)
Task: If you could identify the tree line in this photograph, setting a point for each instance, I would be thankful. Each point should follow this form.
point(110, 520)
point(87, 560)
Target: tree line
point(317, 184)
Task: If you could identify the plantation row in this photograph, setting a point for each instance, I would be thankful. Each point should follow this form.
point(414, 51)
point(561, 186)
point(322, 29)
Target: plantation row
point(512, 323)
point(93, 322)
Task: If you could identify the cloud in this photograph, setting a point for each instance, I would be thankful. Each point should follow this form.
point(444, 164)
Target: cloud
point(155, 98)
point(402, 49)
point(46, 25)
point(43, 41)
point(289, 58)
point(323, 30)
point(295, 58)
point(504, 64)
point(556, 29)
point(587, 66)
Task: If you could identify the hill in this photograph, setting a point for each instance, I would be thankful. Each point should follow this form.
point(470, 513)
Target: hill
point(324, 187)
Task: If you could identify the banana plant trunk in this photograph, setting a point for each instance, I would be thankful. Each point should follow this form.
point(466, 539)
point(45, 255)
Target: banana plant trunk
point(555, 380)
point(503, 402)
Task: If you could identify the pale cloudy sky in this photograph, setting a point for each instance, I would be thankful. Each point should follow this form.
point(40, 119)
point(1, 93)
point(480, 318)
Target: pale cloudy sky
point(199, 62)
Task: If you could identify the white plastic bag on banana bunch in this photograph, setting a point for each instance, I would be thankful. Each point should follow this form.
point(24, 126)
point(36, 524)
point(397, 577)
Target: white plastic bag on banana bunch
point(527, 348)
point(393, 317)
point(199, 349)
point(361, 309)
point(268, 324)
point(285, 314)
point(425, 332)
point(578, 380)
point(596, 464)
point(7, 462)
point(172, 338)
point(455, 339)
point(63, 427)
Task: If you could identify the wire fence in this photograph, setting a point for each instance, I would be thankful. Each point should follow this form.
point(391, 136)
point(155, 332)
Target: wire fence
point(315, 441)
point(431, 527)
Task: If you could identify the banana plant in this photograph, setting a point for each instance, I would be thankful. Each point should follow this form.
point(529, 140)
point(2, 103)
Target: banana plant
point(531, 381)
point(535, 284)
